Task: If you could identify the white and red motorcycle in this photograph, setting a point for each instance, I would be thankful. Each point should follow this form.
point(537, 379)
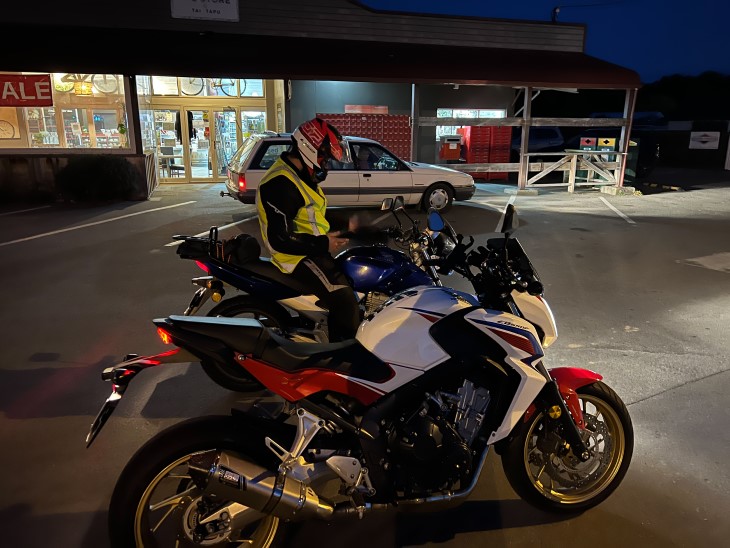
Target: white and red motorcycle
point(402, 415)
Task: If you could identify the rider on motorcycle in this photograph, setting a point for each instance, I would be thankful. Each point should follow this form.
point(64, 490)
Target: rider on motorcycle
point(291, 208)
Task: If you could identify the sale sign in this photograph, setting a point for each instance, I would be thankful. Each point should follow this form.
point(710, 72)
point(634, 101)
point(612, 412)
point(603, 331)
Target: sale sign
point(21, 90)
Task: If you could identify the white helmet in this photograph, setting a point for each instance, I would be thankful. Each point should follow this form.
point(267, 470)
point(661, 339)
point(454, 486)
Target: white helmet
point(317, 142)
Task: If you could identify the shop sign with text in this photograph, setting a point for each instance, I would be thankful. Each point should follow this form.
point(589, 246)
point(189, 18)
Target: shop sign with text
point(215, 10)
point(25, 90)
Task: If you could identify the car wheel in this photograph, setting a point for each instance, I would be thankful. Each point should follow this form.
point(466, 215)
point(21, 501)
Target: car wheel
point(438, 196)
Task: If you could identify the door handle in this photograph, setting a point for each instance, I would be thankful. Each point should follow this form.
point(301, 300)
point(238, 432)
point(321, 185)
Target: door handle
point(366, 174)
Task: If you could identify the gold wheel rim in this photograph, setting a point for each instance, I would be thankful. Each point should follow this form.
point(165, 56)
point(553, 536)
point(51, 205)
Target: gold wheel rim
point(545, 474)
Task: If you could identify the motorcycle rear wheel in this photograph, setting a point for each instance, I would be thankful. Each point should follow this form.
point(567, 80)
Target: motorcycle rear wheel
point(156, 505)
point(548, 476)
point(233, 376)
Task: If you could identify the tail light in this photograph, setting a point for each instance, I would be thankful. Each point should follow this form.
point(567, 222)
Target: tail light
point(165, 337)
point(203, 267)
point(241, 182)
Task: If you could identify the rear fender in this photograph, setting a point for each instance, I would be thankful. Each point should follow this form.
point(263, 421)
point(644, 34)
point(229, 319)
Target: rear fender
point(122, 374)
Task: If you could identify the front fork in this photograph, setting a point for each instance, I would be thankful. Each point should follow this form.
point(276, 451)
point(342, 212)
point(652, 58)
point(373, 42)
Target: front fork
point(562, 403)
point(209, 288)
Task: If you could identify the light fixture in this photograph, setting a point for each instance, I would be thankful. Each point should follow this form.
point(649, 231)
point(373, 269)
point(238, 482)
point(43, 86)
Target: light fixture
point(83, 88)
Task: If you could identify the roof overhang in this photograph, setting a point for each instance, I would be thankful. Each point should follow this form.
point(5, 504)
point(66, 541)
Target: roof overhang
point(234, 55)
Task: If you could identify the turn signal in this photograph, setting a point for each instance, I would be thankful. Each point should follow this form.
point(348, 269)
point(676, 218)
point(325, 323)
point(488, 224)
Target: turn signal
point(165, 337)
point(216, 297)
point(555, 412)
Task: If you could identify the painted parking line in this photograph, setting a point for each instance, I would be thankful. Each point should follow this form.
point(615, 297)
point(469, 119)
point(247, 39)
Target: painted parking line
point(252, 216)
point(619, 213)
point(87, 225)
point(476, 202)
point(23, 210)
point(717, 261)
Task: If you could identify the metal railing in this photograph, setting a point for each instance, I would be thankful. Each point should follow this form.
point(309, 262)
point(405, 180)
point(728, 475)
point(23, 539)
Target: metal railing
point(580, 168)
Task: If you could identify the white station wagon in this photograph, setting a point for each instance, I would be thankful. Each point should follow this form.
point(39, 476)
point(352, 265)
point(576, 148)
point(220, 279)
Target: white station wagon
point(373, 173)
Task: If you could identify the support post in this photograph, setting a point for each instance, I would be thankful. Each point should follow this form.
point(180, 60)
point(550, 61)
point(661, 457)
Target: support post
point(624, 140)
point(415, 127)
point(571, 179)
point(134, 131)
point(526, 123)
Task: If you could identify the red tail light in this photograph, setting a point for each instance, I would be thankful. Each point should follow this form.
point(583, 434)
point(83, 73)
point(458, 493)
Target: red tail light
point(165, 337)
point(241, 182)
point(203, 267)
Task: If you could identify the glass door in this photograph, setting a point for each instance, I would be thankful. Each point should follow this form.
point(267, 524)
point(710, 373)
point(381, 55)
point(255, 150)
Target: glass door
point(226, 140)
point(169, 137)
point(201, 152)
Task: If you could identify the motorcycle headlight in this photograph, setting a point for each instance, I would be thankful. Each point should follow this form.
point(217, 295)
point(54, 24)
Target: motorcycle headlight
point(443, 245)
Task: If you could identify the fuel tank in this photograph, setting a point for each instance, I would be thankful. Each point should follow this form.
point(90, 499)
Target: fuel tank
point(380, 268)
point(398, 332)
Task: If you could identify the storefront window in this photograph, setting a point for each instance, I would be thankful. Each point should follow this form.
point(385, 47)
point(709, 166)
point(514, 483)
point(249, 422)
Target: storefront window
point(252, 121)
point(88, 111)
point(146, 116)
point(251, 88)
point(76, 128)
point(165, 85)
point(464, 113)
point(42, 129)
point(222, 87)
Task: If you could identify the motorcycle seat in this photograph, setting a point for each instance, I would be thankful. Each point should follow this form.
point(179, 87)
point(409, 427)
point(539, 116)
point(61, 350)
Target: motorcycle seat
point(249, 336)
point(266, 269)
point(348, 357)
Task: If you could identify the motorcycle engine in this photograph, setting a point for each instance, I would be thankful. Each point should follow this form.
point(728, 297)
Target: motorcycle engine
point(373, 301)
point(428, 453)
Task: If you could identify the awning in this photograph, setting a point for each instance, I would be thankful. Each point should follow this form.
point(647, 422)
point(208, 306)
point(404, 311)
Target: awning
point(229, 55)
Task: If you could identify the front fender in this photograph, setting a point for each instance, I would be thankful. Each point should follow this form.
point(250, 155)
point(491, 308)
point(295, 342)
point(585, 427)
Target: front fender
point(569, 380)
point(573, 377)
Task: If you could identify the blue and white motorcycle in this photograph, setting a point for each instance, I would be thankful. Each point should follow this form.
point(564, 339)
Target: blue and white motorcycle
point(376, 273)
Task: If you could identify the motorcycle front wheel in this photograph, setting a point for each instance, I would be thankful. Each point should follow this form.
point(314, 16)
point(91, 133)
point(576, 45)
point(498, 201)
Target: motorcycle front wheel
point(156, 504)
point(544, 472)
point(233, 376)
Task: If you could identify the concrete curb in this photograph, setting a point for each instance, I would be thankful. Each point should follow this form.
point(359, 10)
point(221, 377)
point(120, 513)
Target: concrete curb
point(619, 191)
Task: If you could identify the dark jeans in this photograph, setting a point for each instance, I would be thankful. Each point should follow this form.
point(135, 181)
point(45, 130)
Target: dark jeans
point(324, 279)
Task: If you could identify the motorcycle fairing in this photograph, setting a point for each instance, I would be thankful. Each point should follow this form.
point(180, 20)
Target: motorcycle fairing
point(301, 383)
point(518, 339)
point(537, 309)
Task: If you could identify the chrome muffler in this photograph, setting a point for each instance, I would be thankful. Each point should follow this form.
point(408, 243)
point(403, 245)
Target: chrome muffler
point(225, 475)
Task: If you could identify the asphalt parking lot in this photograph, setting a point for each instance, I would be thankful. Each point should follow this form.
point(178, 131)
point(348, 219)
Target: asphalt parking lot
point(640, 287)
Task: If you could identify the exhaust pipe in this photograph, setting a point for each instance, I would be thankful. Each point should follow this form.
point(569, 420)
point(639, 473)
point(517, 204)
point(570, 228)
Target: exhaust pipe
point(223, 474)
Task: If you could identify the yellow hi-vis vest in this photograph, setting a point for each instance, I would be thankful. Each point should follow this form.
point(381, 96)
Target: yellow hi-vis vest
point(309, 219)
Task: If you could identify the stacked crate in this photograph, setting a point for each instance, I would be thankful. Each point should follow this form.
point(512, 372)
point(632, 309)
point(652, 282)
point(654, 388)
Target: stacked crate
point(487, 145)
point(393, 131)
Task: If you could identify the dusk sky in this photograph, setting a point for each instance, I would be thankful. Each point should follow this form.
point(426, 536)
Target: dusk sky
point(653, 37)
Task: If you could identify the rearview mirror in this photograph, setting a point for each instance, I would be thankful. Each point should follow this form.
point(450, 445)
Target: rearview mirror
point(392, 204)
point(510, 222)
point(435, 221)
